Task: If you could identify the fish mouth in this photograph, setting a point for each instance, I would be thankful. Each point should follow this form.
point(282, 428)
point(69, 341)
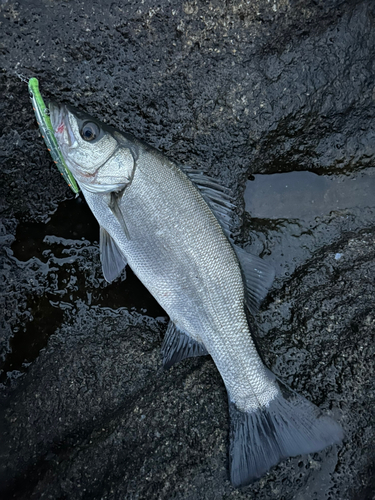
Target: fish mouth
point(59, 115)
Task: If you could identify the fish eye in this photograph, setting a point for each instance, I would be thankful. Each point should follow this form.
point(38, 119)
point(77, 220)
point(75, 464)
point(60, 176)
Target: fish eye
point(89, 131)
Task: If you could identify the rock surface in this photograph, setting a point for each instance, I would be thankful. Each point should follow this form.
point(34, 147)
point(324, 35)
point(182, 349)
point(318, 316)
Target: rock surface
point(235, 88)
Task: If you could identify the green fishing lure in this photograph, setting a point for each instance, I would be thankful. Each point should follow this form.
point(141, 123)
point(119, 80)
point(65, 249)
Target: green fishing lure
point(44, 122)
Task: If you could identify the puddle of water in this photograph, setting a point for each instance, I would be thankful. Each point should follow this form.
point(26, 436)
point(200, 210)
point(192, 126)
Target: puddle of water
point(72, 220)
point(292, 215)
point(305, 195)
point(30, 337)
point(59, 255)
point(71, 235)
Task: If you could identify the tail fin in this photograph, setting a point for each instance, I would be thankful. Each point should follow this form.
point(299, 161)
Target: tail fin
point(289, 426)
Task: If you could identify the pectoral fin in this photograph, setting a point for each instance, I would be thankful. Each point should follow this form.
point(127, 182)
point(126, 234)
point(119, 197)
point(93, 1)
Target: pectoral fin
point(178, 346)
point(113, 204)
point(257, 276)
point(111, 257)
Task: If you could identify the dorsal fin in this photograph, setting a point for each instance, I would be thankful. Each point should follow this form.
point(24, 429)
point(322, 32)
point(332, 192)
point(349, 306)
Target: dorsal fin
point(218, 197)
point(258, 277)
point(178, 346)
point(257, 274)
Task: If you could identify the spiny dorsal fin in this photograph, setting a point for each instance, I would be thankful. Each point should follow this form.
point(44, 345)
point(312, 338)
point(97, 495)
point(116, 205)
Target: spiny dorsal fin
point(257, 274)
point(178, 346)
point(112, 259)
point(218, 197)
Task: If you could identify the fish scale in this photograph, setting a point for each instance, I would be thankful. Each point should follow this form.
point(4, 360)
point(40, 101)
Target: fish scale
point(205, 304)
point(174, 236)
point(215, 294)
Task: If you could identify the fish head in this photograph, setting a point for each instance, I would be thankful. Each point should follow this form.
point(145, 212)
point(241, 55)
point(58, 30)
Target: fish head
point(95, 154)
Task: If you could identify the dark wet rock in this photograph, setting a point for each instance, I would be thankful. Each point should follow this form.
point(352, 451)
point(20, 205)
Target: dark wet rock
point(86, 409)
point(97, 416)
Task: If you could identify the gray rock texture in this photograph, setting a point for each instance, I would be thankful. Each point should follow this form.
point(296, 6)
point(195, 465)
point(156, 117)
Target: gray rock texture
point(237, 88)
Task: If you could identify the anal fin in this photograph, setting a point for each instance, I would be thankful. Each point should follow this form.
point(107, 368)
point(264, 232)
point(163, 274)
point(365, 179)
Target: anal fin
point(178, 346)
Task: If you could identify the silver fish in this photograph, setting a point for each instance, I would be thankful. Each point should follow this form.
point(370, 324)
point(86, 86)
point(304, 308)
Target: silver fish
point(170, 224)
